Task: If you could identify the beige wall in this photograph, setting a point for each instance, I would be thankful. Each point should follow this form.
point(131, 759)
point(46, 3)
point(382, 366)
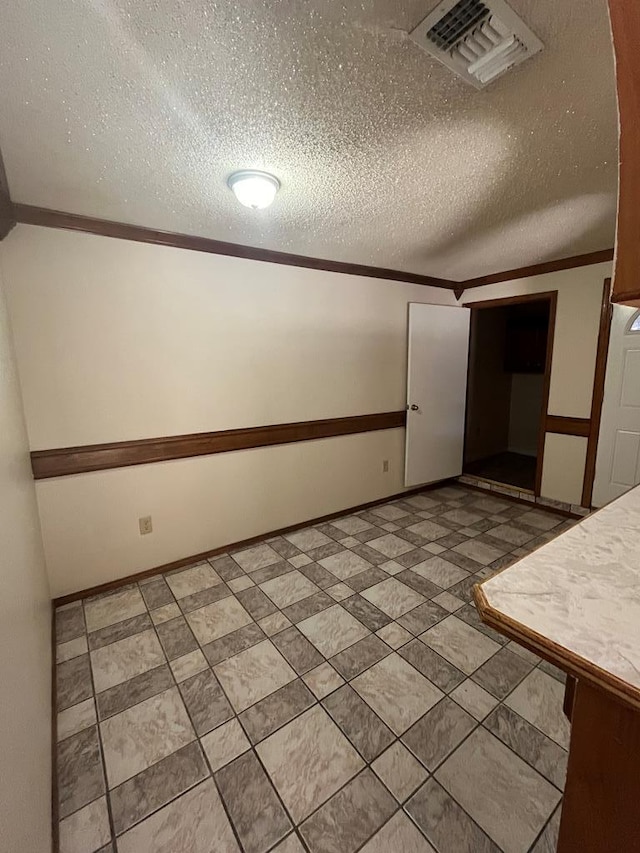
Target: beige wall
point(572, 371)
point(119, 340)
point(25, 662)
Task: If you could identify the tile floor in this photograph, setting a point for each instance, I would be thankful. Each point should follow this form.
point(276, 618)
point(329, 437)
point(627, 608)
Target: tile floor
point(332, 691)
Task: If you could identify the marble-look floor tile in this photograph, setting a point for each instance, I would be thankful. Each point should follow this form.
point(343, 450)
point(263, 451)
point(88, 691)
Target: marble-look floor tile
point(233, 643)
point(206, 596)
point(156, 593)
point(350, 817)
point(307, 607)
point(274, 624)
point(224, 744)
point(440, 572)
point(339, 591)
point(253, 674)
point(332, 630)
point(548, 840)
point(176, 638)
point(422, 618)
point(360, 656)
point(391, 567)
point(389, 512)
point(119, 630)
point(391, 546)
point(425, 587)
point(291, 844)
point(364, 729)
point(438, 733)
point(257, 557)
point(529, 743)
point(539, 700)
point(69, 622)
point(397, 692)
point(398, 834)
point(506, 797)
point(400, 771)
point(393, 597)
point(138, 737)
point(366, 612)
point(480, 551)
point(73, 682)
point(238, 584)
point(76, 718)
point(129, 693)
point(256, 603)
point(71, 649)
point(367, 579)
point(136, 798)
point(226, 567)
point(272, 712)
point(429, 530)
point(192, 580)
point(501, 673)
point(217, 619)
point(299, 560)
point(323, 680)
point(460, 644)
point(474, 699)
point(394, 635)
point(165, 613)
point(439, 671)
point(256, 812)
point(345, 564)
point(125, 659)
point(205, 700)
point(318, 575)
point(283, 567)
point(196, 822)
point(80, 774)
point(449, 602)
point(87, 830)
point(307, 539)
point(445, 824)
point(308, 760)
point(297, 650)
point(116, 607)
point(351, 524)
point(187, 665)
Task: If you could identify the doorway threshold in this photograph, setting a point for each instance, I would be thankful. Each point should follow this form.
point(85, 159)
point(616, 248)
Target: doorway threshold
point(522, 495)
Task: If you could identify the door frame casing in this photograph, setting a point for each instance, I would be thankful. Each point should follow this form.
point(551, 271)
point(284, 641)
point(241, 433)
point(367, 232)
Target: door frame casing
point(550, 296)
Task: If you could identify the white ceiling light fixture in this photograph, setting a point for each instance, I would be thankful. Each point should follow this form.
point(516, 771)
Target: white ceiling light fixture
point(254, 189)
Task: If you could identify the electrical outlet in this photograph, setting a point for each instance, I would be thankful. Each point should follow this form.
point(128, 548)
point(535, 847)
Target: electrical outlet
point(145, 525)
point(385, 466)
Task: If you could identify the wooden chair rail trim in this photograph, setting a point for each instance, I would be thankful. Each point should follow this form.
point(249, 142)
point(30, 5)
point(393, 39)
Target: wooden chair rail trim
point(567, 426)
point(63, 461)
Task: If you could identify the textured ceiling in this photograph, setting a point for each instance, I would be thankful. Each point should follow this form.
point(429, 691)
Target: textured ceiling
point(137, 110)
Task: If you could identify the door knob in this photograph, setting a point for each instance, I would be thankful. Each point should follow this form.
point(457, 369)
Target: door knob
point(414, 407)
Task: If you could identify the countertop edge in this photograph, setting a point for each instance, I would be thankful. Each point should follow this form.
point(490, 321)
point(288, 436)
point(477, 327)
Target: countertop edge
point(554, 653)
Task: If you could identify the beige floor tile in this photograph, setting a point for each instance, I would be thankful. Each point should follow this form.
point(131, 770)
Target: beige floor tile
point(448, 601)
point(339, 591)
point(86, 830)
point(440, 572)
point(187, 665)
point(274, 623)
point(391, 546)
point(539, 700)
point(76, 718)
point(308, 760)
point(258, 557)
point(71, 649)
point(399, 835)
point(165, 613)
point(125, 659)
point(400, 771)
point(307, 539)
point(113, 608)
point(224, 744)
point(253, 674)
point(474, 699)
point(460, 644)
point(193, 580)
point(287, 589)
point(332, 630)
point(397, 692)
point(323, 680)
point(143, 734)
point(394, 635)
point(217, 619)
point(238, 584)
point(393, 597)
point(345, 564)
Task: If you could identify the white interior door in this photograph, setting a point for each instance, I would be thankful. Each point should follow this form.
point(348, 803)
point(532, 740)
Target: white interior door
point(436, 392)
point(618, 459)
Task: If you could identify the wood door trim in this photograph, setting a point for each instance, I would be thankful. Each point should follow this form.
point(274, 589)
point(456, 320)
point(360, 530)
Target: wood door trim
point(30, 215)
point(501, 301)
point(553, 304)
point(64, 461)
point(561, 425)
point(604, 335)
point(540, 269)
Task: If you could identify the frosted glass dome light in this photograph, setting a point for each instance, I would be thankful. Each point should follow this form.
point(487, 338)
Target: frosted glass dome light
point(254, 189)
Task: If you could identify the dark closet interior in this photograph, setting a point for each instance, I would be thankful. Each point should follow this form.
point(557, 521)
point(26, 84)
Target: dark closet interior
point(507, 362)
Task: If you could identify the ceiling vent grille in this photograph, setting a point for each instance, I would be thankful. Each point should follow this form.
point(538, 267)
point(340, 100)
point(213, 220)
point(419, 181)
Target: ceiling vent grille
point(477, 40)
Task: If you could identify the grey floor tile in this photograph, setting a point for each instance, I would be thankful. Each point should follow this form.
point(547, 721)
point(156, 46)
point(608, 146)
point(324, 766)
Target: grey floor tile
point(124, 659)
point(360, 656)
point(80, 773)
point(233, 643)
point(256, 603)
point(439, 671)
point(398, 834)
point(503, 794)
point(554, 671)
point(205, 700)
point(529, 743)
point(318, 575)
point(539, 700)
point(369, 554)
point(470, 615)
point(75, 719)
point(176, 638)
point(440, 572)
point(501, 673)
point(206, 596)
point(308, 607)
point(366, 612)
point(367, 579)
point(73, 682)
point(419, 584)
point(297, 650)
point(350, 817)
point(333, 630)
point(69, 622)
point(192, 580)
point(445, 824)
point(414, 557)
point(285, 549)
point(548, 840)
point(365, 730)
point(287, 589)
point(252, 804)
point(137, 689)
point(328, 550)
point(400, 771)
point(256, 557)
point(226, 567)
point(438, 733)
point(217, 619)
point(423, 617)
point(224, 744)
point(272, 712)
point(113, 607)
point(71, 649)
point(323, 680)
point(460, 644)
point(156, 593)
point(86, 829)
point(136, 798)
point(271, 572)
point(119, 631)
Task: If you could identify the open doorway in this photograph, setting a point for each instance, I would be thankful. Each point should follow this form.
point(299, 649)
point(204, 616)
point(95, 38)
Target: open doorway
point(510, 351)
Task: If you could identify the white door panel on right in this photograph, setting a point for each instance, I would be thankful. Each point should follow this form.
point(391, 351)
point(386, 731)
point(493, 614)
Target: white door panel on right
point(618, 459)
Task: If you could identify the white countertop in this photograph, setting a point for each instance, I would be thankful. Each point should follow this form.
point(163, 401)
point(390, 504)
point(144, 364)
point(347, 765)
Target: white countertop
point(580, 594)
